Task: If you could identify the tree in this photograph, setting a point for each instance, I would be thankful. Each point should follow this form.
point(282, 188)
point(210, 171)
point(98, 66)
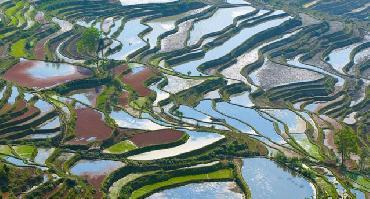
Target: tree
point(90, 43)
point(347, 142)
point(364, 159)
point(4, 179)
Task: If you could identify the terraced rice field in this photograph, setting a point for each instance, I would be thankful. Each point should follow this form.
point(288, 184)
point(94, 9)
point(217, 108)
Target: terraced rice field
point(184, 99)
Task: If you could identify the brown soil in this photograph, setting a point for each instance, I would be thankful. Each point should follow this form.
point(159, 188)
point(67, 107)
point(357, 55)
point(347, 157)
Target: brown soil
point(90, 124)
point(5, 195)
point(350, 164)
point(320, 122)
point(20, 105)
point(330, 140)
point(39, 50)
point(31, 110)
point(124, 99)
point(136, 81)
point(19, 75)
point(119, 69)
point(333, 123)
point(150, 138)
point(5, 109)
point(4, 50)
point(52, 192)
point(96, 182)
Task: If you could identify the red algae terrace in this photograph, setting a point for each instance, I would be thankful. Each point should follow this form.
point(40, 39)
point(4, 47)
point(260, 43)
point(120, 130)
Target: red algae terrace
point(150, 138)
point(137, 77)
point(40, 74)
point(90, 126)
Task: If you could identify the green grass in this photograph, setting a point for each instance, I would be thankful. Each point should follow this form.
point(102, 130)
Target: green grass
point(216, 175)
point(140, 103)
point(18, 48)
point(2, 36)
point(20, 19)
point(5, 149)
point(359, 179)
point(25, 151)
point(363, 181)
point(122, 147)
point(104, 97)
point(310, 148)
point(12, 12)
point(327, 188)
point(117, 186)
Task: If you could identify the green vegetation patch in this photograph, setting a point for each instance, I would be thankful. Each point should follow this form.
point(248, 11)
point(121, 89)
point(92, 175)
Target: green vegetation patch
point(359, 179)
point(12, 12)
point(18, 48)
point(116, 187)
point(5, 149)
point(122, 147)
point(140, 103)
point(6, 63)
point(25, 151)
point(311, 148)
point(325, 188)
point(216, 175)
point(104, 97)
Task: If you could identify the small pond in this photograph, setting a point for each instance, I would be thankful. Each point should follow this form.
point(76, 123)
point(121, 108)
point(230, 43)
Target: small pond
point(205, 190)
point(267, 180)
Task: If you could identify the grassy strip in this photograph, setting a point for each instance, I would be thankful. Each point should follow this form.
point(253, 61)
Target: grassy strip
point(25, 151)
point(239, 179)
point(216, 175)
point(5, 149)
point(116, 187)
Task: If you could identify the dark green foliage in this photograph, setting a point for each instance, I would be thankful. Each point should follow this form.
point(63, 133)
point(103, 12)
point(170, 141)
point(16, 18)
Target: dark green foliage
point(4, 179)
point(347, 142)
point(295, 164)
point(89, 41)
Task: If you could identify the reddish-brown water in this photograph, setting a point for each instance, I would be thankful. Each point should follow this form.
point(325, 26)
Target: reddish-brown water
point(39, 74)
point(150, 138)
